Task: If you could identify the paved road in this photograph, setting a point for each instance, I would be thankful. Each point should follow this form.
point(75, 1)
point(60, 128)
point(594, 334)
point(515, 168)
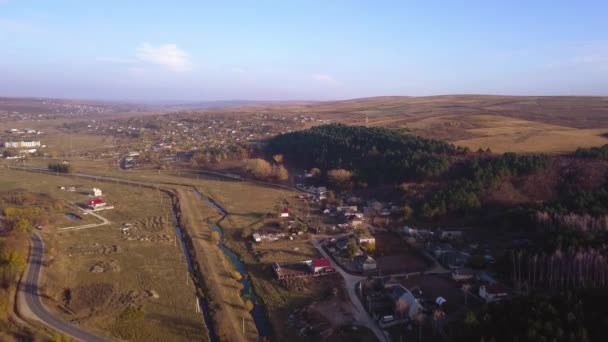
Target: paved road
point(350, 282)
point(31, 306)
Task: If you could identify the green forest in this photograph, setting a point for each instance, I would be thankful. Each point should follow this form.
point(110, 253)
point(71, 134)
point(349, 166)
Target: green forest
point(375, 155)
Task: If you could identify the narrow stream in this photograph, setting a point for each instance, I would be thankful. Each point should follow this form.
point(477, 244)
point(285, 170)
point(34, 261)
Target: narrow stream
point(203, 304)
point(258, 313)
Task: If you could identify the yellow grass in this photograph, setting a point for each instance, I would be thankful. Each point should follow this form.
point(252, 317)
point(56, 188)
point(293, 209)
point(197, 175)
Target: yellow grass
point(144, 265)
point(503, 134)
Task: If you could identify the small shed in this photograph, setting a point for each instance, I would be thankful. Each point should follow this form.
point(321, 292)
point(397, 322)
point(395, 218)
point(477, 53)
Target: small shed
point(256, 237)
point(95, 192)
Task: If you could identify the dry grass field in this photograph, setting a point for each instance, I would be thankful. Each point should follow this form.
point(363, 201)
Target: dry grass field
point(504, 134)
point(246, 204)
point(228, 311)
point(551, 124)
point(114, 281)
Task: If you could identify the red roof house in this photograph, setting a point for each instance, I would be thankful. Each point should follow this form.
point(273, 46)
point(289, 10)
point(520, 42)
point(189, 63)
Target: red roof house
point(493, 292)
point(285, 212)
point(96, 203)
point(320, 265)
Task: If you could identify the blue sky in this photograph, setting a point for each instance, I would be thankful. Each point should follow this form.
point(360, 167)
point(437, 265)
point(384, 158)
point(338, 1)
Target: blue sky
point(289, 50)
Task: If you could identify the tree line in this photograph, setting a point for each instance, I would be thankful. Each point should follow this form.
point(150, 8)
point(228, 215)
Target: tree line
point(593, 152)
point(61, 167)
point(569, 316)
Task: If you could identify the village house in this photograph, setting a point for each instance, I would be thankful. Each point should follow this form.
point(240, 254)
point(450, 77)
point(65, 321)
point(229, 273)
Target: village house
point(354, 221)
point(463, 275)
point(405, 303)
point(450, 234)
point(347, 209)
point(96, 203)
point(365, 239)
point(21, 144)
point(365, 263)
point(320, 265)
point(284, 212)
point(269, 233)
point(492, 292)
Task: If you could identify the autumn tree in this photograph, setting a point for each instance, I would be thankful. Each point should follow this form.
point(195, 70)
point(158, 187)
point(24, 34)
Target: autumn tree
point(370, 248)
point(215, 238)
point(23, 226)
point(352, 249)
point(408, 212)
point(259, 168)
point(340, 178)
point(280, 172)
point(248, 305)
point(11, 264)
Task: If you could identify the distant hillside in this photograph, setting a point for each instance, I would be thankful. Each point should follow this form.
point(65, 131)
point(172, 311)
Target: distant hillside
point(502, 123)
point(570, 111)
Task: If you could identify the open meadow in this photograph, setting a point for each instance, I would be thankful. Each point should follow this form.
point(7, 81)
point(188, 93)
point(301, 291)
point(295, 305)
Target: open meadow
point(125, 280)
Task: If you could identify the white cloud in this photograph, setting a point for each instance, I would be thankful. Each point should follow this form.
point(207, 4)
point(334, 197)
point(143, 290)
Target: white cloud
point(168, 55)
point(325, 78)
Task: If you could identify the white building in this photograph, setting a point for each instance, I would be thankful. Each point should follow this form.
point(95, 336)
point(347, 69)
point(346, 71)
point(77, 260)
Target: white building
point(22, 144)
point(95, 192)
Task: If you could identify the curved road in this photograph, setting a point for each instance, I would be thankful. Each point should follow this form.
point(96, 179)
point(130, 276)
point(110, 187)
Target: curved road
point(31, 307)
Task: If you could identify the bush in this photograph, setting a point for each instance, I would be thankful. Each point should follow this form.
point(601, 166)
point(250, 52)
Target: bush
point(61, 167)
point(370, 248)
point(236, 276)
point(248, 305)
point(215, 238)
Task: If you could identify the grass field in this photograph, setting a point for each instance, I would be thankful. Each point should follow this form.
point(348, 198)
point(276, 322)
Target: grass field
point(133, 272)
point(222, 291)
point(504, 134)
